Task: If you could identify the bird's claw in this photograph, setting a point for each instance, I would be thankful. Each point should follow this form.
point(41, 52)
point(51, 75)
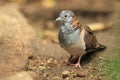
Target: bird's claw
point(77, 65)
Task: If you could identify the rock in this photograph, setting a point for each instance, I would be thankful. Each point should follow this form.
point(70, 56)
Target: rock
point(56, 78)
point(15, 37)
point(20, 76)
point(13, 57)
point(14, 25)
point(65, 74)
point(81, 74)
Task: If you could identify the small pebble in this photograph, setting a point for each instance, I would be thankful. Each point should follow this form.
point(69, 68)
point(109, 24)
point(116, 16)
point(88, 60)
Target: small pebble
point(50, 60)
point(56, 78)
point(101, 58)
point(46, 75)
point(65, 74)
point(99, 78)
point(41, 67)
point(81, 74)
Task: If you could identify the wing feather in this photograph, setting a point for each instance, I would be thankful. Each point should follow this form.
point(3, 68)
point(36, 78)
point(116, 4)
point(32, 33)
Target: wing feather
point(89, 38)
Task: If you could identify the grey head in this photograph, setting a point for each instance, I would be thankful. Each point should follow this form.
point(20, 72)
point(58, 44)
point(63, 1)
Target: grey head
point(66, 16)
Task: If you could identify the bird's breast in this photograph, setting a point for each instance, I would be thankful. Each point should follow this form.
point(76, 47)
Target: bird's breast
point(68, 39)
point(73, 43)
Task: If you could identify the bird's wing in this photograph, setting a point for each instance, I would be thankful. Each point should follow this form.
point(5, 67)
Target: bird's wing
point(89, 38)
point(91, 42)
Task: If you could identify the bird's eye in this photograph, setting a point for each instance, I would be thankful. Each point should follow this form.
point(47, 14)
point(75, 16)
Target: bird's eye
point(65, 15)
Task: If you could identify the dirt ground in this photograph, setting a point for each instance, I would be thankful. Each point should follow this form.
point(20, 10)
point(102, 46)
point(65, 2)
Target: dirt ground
point(47, 61)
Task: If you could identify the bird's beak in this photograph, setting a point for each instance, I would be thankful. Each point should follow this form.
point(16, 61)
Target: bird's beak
point(58, 19)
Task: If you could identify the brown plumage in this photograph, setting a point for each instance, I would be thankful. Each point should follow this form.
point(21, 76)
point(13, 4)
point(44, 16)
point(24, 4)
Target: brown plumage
point(91, 42)
point(76, 23)
point(89, 38)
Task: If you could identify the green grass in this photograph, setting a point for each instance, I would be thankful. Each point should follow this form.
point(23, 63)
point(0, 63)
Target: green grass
point(112, 67)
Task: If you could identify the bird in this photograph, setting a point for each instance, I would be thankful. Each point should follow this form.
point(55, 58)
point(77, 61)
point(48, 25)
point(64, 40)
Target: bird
point(77, 39)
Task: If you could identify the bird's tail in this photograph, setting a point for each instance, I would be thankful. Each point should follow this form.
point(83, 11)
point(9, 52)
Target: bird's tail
point(100, 47)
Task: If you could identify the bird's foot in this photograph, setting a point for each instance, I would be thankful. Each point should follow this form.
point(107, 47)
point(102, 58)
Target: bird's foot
point(77, 65)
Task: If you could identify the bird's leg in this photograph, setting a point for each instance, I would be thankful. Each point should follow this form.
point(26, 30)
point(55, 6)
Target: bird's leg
point(78, 63)
point(68, 61)
point(70, 58)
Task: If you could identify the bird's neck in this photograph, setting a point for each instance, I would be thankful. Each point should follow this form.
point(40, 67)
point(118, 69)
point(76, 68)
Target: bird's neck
point(67, 28)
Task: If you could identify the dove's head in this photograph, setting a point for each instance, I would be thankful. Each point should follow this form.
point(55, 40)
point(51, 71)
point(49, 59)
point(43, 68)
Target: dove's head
point(66, 16)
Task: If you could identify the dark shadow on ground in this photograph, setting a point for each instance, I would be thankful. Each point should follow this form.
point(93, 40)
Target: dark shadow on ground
point(87, 57)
